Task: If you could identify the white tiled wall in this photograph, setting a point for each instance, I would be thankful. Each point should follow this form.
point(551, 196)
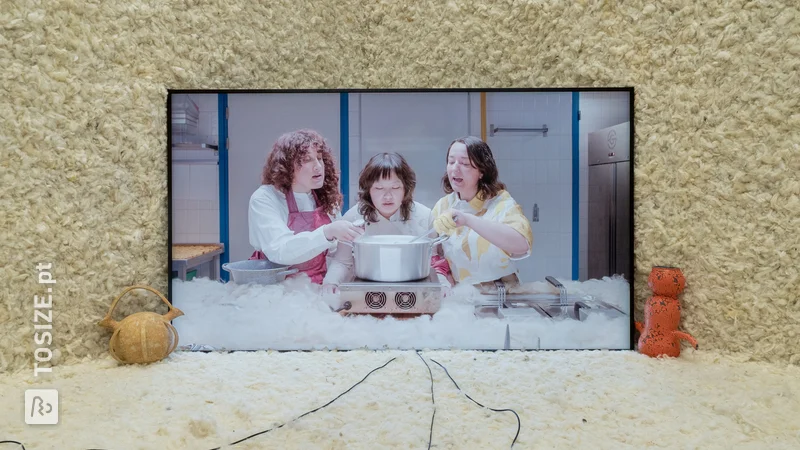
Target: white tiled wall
point(537, 170)
point(255, 122)
point(419, 126)
point(598, 110)
point(356, 162)
point(195, 198)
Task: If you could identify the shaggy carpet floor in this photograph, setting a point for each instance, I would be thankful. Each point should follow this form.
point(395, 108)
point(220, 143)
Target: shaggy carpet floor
point(564, 399)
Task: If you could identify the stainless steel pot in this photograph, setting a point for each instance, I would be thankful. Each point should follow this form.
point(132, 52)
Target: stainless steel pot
point(393, 258)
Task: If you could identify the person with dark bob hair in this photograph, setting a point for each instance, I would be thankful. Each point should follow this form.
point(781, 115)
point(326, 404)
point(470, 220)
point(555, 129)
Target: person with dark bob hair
point(293, 214)
point(487, 228)
point(385, 206)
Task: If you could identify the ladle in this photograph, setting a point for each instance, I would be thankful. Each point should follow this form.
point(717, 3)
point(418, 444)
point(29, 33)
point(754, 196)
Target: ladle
point(423, 235)
point(428, 232)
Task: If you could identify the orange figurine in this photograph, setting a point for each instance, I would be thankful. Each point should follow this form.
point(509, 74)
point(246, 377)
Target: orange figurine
point(662, 314)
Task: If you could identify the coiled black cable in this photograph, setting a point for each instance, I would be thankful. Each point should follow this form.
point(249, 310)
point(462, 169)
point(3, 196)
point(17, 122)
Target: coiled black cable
point(519, 423)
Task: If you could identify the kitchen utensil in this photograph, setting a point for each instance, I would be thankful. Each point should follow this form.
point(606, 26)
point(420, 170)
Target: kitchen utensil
point(430, 231)
point(143, 337)
point(393, 258)
point(258, 271)
point(423, 235)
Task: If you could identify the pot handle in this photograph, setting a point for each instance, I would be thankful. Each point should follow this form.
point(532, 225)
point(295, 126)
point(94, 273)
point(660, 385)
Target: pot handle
point(348, 243)
point(287, 272)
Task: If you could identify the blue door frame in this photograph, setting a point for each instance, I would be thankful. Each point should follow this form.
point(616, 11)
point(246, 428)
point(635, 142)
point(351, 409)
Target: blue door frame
point(222, 109)
point(576, 186)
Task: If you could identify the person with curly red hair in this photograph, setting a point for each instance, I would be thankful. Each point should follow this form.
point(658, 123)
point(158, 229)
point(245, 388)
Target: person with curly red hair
point(295, 215)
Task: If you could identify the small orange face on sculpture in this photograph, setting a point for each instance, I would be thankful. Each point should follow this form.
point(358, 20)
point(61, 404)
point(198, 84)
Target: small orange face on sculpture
point(666, 281)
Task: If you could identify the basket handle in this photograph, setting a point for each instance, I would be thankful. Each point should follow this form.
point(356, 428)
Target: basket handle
point(110, 323)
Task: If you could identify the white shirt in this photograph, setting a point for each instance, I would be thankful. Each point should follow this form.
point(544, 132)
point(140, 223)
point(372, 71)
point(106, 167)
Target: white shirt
point(341, 267)
point(268, 219)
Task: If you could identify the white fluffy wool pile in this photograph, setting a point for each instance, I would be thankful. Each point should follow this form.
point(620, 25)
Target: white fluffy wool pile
point(293, 316)
point(565, 399)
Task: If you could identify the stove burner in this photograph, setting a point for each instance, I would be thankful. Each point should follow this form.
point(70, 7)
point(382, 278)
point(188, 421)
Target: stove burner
point(375, 300)
point(402, 299)
point(501, 304)
point(405, 300)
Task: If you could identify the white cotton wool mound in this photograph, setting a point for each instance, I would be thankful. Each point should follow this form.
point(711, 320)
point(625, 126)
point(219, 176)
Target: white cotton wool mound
point(293, 316)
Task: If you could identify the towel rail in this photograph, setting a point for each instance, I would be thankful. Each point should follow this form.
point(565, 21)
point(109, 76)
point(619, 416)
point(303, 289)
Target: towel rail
point(493, 129)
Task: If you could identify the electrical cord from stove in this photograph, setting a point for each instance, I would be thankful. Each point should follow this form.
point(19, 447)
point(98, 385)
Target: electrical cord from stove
point(279, 426)
point(519, 422)
point(314, 410)
point(430, 436)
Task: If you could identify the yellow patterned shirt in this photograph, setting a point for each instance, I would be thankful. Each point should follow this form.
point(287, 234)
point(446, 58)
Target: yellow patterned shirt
point(472, 258)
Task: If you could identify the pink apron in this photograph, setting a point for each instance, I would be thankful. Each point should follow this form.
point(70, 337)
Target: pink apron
point(300, 221)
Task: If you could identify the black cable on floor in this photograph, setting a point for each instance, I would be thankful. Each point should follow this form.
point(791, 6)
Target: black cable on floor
point(301, 416)
point(315, 410)
point(430, 437)
point(519, 423)
point(433, 400)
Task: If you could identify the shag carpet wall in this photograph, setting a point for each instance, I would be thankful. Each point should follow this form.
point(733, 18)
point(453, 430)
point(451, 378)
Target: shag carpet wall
point(83, 133)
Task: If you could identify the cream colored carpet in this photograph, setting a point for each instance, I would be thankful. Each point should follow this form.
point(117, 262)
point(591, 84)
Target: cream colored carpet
point(591, 400)
point(83, 179)
point(83, 172)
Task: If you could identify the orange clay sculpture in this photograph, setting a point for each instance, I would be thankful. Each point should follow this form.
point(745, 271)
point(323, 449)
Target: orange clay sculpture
point(662, 314)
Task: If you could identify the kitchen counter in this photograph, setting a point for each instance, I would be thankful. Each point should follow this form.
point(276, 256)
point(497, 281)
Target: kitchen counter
point(186, 257)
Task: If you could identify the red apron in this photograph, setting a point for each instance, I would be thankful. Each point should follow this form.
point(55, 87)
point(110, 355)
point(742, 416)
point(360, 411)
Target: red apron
point(300, 221)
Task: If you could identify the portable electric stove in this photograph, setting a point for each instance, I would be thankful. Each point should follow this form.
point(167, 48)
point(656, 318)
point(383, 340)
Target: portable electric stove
point(501, 304)
point(408, 298)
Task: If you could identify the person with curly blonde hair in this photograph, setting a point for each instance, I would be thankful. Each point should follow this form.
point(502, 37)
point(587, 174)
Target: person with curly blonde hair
point(294, 216)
